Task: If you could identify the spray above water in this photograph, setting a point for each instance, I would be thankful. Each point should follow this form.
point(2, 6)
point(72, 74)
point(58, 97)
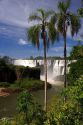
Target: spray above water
point(55, 69)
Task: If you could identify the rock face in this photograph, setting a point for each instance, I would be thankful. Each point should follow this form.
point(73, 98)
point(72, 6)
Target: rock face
point(55, 68)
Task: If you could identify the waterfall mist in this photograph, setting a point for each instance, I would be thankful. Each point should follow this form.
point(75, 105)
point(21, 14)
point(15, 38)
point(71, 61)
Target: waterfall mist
point(55, 69)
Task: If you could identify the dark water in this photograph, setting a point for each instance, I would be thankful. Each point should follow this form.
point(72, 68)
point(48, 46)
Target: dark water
point(8, 104)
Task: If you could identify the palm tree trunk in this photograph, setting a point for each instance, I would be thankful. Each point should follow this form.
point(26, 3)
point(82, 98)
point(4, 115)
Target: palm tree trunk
point(65, 62)
point(65, 52)
point(45, 72)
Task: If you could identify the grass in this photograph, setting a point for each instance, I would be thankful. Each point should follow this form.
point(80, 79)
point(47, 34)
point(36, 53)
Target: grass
point(30, 84)
point(4, 84)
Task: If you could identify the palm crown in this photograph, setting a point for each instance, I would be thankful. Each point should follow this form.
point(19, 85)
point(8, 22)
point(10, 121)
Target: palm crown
point(67, 18)
point(44, 26)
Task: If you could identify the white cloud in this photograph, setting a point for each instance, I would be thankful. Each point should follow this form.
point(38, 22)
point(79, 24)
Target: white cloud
point(16, 12)
point(22, 42)
point(12, 31)
point(78, 37)
point(60, 49)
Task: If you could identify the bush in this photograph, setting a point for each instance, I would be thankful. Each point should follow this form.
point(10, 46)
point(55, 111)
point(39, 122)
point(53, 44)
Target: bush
point(32, 111)
point(77, 52)
point(31, 73)
point(4, 84)
point(10, 73)
point(5, 121)
point(76, 70)
point(30, 84)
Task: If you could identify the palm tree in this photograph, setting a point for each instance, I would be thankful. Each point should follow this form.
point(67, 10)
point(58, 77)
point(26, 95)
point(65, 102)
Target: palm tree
point(45, 29)
point(66, 19)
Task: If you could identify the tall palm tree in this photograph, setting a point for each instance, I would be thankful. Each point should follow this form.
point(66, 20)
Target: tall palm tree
point(66, 19)
point(45, 29)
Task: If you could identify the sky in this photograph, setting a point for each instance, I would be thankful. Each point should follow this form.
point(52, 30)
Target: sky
point(14, 24)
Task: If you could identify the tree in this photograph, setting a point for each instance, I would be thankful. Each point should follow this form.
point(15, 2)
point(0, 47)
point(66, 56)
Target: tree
point(32, 110)
point(47, 30)
point(66, 19)
point(76, 67)
point(25, 103)
point(76, 53)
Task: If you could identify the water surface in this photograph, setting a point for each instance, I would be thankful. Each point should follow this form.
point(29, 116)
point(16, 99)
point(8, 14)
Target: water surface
point(8, 104)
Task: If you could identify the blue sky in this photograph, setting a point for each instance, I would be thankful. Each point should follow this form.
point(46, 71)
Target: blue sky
point(14, 23)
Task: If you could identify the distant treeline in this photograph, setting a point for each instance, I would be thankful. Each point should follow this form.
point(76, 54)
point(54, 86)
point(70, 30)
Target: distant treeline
point(48, 58)
point(9, 60)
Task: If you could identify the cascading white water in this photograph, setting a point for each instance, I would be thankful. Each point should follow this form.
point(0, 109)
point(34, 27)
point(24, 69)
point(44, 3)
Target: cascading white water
point(55, 68)
point(54, 71)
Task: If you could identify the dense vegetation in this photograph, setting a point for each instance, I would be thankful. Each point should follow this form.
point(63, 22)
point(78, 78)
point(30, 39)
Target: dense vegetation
point(60, 113)
point(29, 84)
point(19, 77)
point(76, 68)
point(7, 73)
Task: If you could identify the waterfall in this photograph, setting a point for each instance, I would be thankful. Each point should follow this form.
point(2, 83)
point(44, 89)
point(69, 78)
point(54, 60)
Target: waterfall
point(55, 68)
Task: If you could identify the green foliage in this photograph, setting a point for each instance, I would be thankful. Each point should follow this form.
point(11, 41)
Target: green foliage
point(5, 121)
point(75, 23)
point(33, 35)
point(27, 72)
point(53, 34)
point(25, 103)
point(64, 114)
point(30, 84)
point(32, 110)
point(64, 6)
point(31, 73)
point(75, 93)
point(76, 53)
point(70, 112)
point(76, 68)
point(7, 73)
point(66, 19)
point(45, 28)
point(80, 12)
point(4, 84)
point(19, 70)
point(10, 73)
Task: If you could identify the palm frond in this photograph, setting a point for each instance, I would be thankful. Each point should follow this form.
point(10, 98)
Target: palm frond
point(54, 19)
point(64, 6)
point(35, 16)
point(52, 33)
point(60, 23)
point(41, 11)
point(35, 31)
point(80, 12)
point(68, 4)
point(75, 24)
point(33, 35)
point(48, 14)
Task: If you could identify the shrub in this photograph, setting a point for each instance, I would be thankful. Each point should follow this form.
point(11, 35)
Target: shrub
point(29, 84)
point(32, 111)
point(5, 121)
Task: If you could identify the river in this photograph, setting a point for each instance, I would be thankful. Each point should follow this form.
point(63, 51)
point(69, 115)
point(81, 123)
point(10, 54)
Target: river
point(8, 103)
